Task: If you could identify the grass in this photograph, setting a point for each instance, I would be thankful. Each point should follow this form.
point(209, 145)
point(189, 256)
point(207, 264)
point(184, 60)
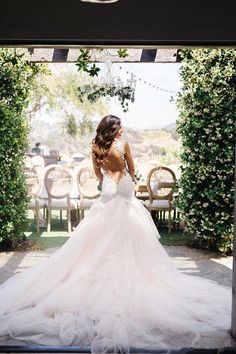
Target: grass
point(48, 239)
point(59, 235)
point(175, 238)
point(56, 238)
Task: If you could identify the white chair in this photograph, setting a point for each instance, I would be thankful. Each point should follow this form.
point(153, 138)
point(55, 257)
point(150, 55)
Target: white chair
point(33, 184)
point(28, 162)
point(37, 160)
point(161, 181)
point(58, 183)
point(64, 160)
point(87, 185)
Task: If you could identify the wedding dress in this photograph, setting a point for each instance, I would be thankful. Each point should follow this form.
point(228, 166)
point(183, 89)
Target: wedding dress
point(112, 286)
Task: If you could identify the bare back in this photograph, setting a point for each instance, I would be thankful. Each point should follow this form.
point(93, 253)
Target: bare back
point(115, 164)
point(118, 159)
point(115, 160)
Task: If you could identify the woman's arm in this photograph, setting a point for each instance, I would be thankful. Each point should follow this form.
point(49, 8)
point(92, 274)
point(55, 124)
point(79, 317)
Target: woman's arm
point(129, 159)
point(97, 169)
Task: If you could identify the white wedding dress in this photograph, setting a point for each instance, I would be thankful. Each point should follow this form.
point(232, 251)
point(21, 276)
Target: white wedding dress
point(112, 286)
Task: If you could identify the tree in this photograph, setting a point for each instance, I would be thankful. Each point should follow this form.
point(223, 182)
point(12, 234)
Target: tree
point(206, 124)
point(57, 95)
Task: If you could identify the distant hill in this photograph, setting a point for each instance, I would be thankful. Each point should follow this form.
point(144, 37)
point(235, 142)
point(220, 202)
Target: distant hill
point(170, 127)
point(146, 144)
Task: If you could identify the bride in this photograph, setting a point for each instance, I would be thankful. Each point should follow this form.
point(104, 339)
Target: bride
point(112, 286)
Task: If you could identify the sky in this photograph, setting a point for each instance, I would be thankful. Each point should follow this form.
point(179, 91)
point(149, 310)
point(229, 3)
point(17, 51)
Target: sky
point(152, 107)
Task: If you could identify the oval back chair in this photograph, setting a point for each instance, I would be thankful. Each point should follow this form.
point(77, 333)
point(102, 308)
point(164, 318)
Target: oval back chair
point(59, 183)
point(160, 182)
point(87, 185)
point(33, 184)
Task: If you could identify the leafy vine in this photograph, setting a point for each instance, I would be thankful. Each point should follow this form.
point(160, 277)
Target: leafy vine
point(84, 61)
point(92, 92)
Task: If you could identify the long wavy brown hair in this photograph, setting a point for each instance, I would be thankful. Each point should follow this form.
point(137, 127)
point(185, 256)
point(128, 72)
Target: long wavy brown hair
point(105, 134)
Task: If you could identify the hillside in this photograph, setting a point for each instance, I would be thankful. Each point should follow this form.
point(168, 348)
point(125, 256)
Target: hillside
point(149, 147)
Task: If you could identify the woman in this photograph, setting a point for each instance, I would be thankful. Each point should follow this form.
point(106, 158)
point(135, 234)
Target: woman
point(112, 285)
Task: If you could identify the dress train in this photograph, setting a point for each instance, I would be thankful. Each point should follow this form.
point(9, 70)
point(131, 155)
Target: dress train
point(113, 286)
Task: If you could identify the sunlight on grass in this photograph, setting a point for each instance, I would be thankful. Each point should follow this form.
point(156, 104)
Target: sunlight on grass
point(59, 235)
point(48, 240)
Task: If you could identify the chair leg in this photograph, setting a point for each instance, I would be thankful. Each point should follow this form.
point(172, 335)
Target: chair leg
point(160, 213)
point(153, 215)
point(78, 215)
point(44, 212)
point(169, 222)
point(49, 217)
point(69, 220)
point(82, 213)
point(37, 219)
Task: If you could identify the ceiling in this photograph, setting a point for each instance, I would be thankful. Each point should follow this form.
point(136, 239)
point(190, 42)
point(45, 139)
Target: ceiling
point(70, 55)
point(126, 22)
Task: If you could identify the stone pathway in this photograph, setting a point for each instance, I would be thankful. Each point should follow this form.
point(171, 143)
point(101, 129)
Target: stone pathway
point(191, 261)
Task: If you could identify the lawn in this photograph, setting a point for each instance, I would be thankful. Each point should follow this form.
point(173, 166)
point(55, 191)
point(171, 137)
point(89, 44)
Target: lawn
point(59, 235)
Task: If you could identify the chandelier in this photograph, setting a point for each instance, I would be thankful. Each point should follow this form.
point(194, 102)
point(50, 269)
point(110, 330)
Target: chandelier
point(100, 1)
point(107, 84)
point(108, 78)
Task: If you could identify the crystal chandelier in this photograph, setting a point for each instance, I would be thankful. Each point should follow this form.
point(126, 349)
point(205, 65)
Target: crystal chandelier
point(107, 84)
point(100, 1)
point(109, 79)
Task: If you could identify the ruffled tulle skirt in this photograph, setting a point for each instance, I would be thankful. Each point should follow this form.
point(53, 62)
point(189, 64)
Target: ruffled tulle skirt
point(112, 285)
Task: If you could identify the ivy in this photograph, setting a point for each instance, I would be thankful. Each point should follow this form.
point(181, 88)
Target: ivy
point(84, 60)
point(93, 92)
point(83, 63)
point(17, 80)
point(123, 53)
point(206, 125)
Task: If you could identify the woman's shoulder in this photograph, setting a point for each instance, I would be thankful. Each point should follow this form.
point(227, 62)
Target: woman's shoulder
point(122, 146)
point(122, 142)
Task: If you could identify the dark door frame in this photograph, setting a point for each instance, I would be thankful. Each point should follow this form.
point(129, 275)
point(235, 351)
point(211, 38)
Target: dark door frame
point(148, 24)
point(78, 349)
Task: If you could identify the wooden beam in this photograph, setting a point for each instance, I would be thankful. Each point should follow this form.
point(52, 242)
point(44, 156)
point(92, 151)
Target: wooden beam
point(135, 55)
point(60, 55)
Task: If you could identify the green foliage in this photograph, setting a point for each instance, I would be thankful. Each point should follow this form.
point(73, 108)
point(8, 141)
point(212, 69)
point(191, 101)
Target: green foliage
point(74, 129)
point(158, 150)
point(71, 126)
point(137, 175)
point(16, 80)
point(85, 125)
point(206, 124)
point(83, 63)
point(93, 92)
point(84, 60)
point(61, 100)
point(123, 53)
point(168, 158)
point(174, 135)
